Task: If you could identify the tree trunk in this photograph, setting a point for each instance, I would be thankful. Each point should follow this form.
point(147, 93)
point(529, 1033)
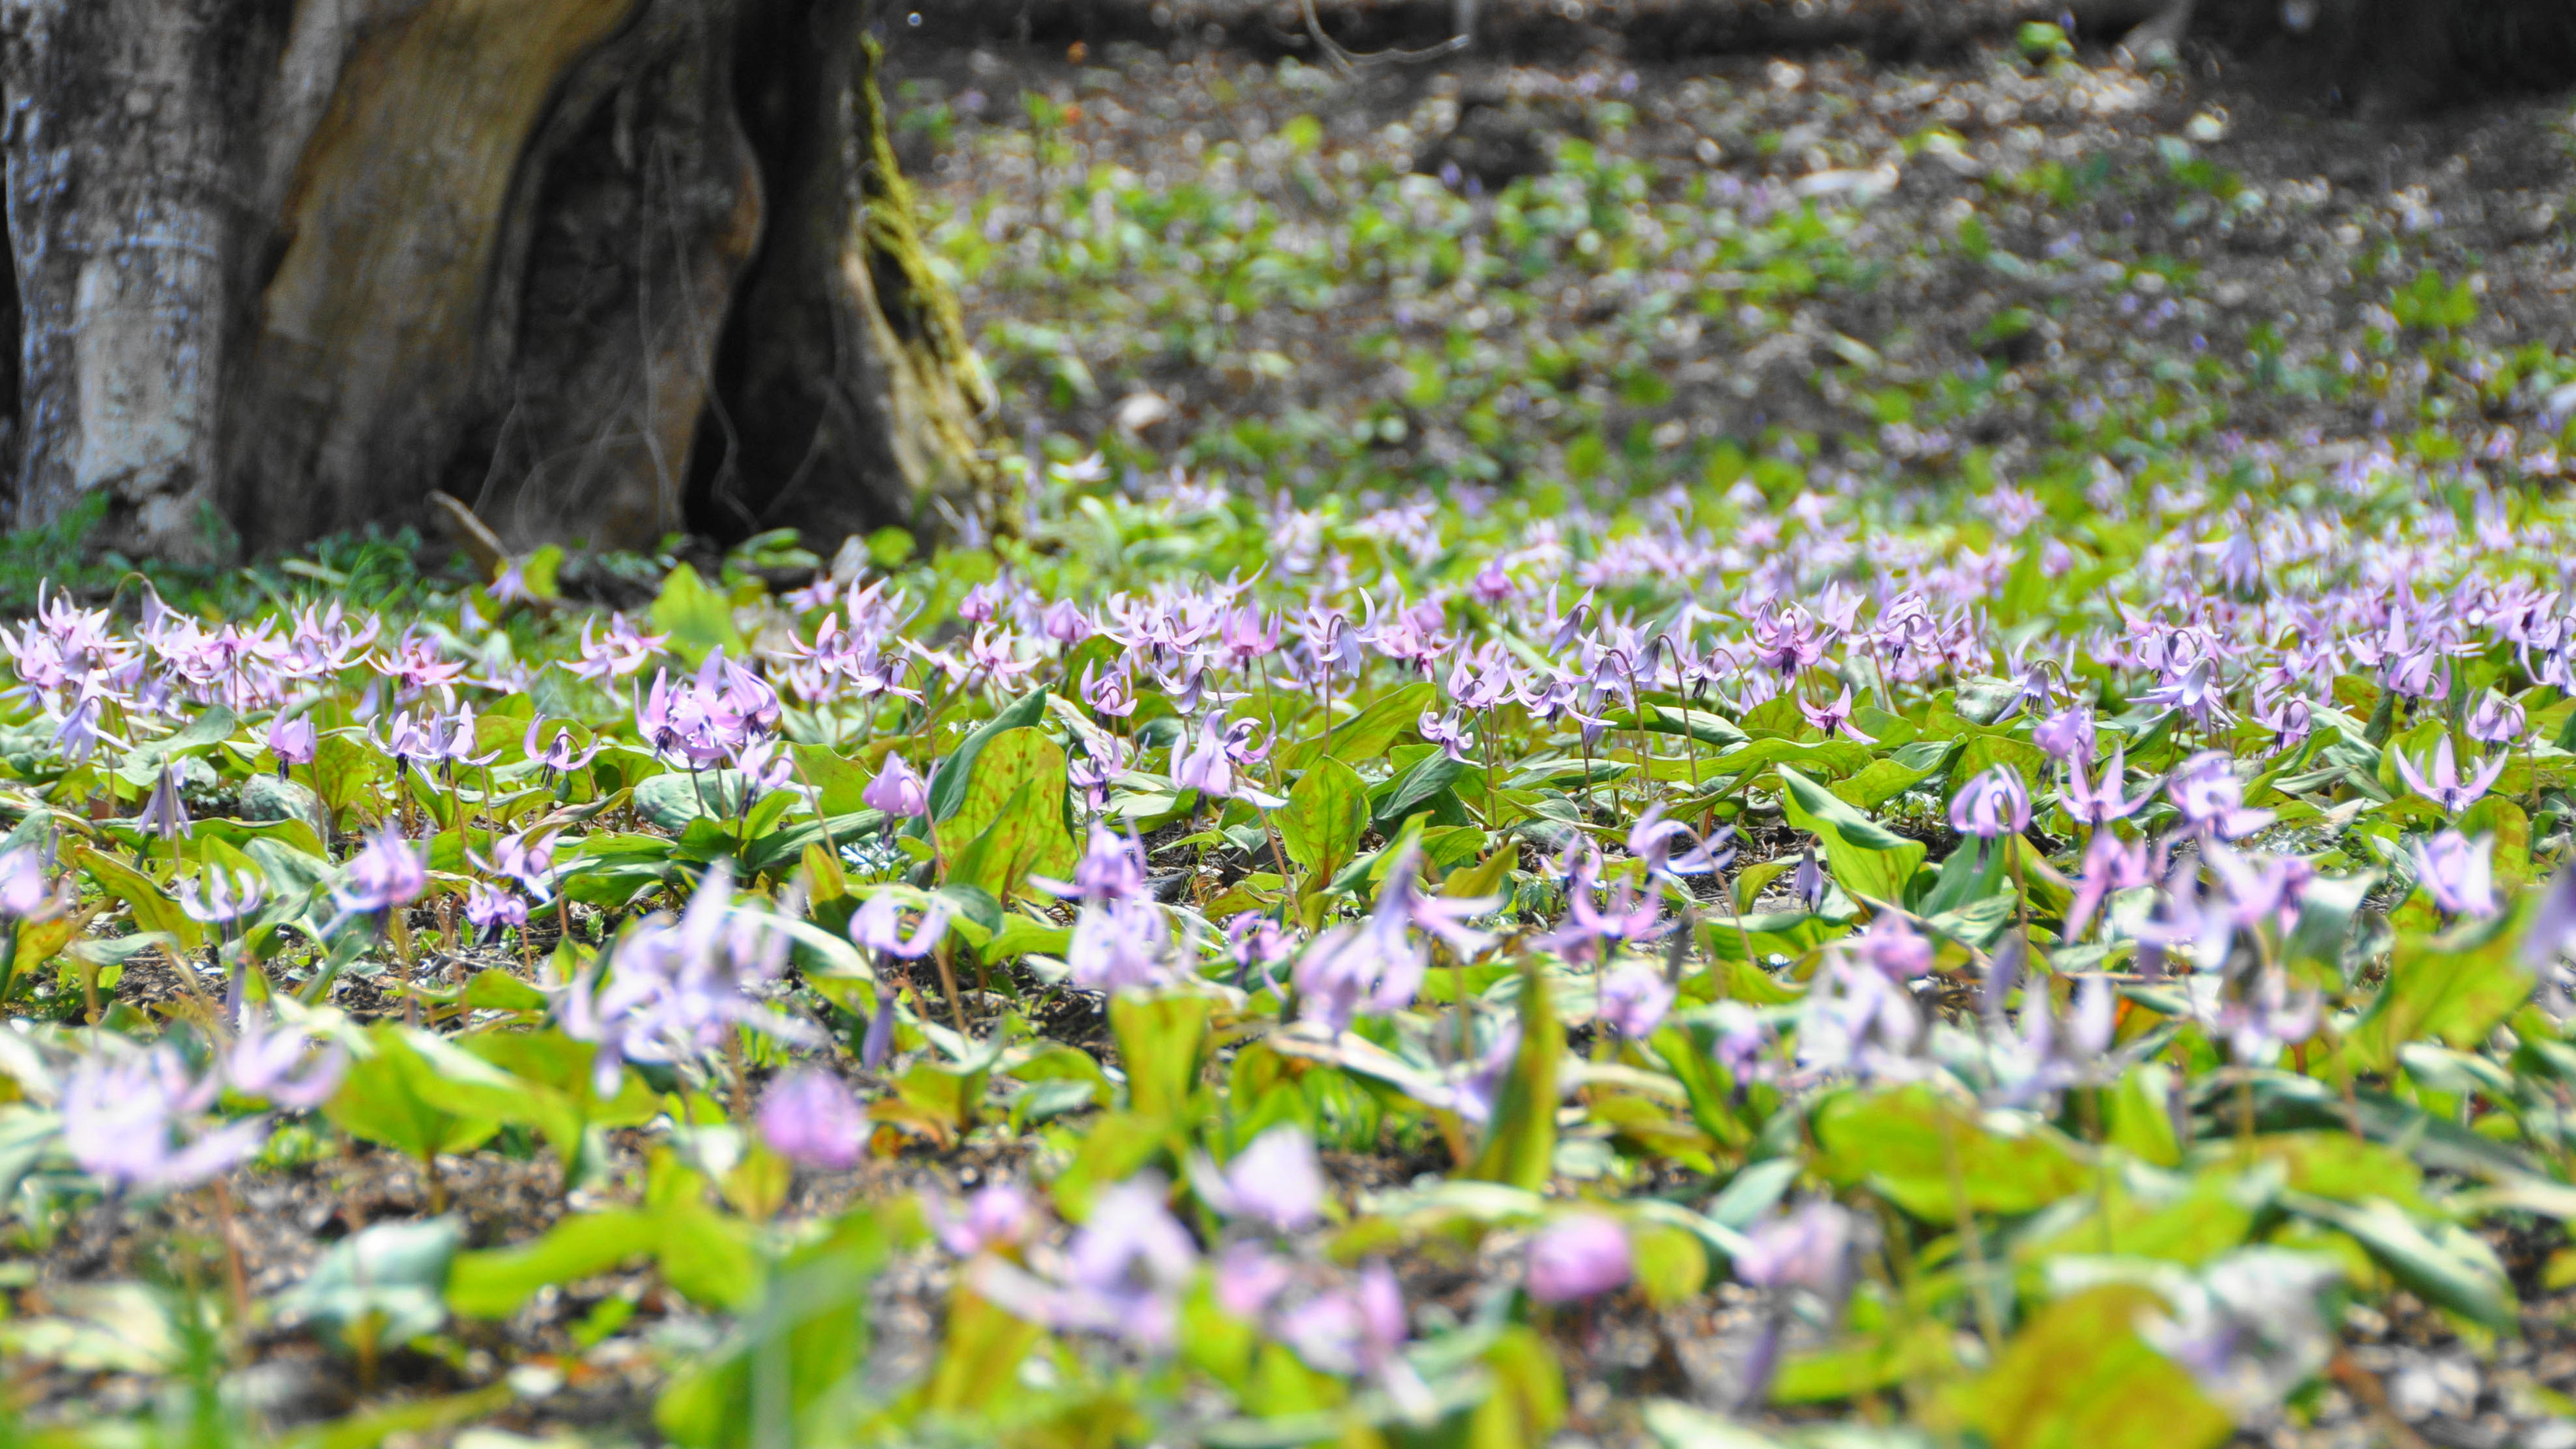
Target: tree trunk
point(605, 269)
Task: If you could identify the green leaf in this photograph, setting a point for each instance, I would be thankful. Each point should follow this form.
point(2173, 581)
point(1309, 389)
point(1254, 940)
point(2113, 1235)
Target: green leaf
point(2079, 1377)
point(345, 772)
point(837, 781)
point(1162, 1043)
point(948, 782)
point(199, 735)
point(1671, 1265)
point(2142, 1122)
point(1901, 1143)
point(2456, 987)
point(2447, 1266)
point(154, 909)
point(1369, 734)
point(698, 619)
point(1868, 860)
point(784, 1375)
point(1015, 763)
point(396, 1097)
point(708, 1257)
point(1520, 1146)
point(386, 1283)
point(675, 799)
point(1325, 818)
point(1417, 787)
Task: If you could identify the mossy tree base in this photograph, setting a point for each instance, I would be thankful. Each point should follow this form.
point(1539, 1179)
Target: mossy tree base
point(606, 269)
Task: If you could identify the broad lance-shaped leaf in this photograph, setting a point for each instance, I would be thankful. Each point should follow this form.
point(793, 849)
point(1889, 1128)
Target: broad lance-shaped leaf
point(1520, 1143)
point(1162, 1042)
point(1369, 734)
point(1901, 1143)
point(397, 1096)
point(2079, 1377)
point(806, 1340)
point(1869, 860)
point(2456, 987)
point(948, 782)
point(1014, 760)
point(154, 909)
point(1326, 816)
point(2446, 1265)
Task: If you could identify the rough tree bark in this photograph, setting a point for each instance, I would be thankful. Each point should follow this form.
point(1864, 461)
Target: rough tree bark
point(603, 268)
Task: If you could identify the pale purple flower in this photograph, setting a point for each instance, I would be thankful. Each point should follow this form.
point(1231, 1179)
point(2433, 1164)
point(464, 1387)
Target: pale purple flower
point(1248, 1277)
point(1120, 945)
point(137, 1122)
point(1111, 695)
point(2205, 789)
point(1578, 1257)
point(557, 755)
point(676, 989)
point(1447, 732)
point(1362, 1332)
point(2497, 720)
point(1211, 765)
point(1112, 868)
point(1835, 719)
point(1256, 944)
point(1594, 923)
point(25, 893)
point(624, 650)
point(1808, 1247)
point(1892, 946)
point(292, 741)
point(2268, 1015)
point(220, 896)
point(2444, 785)
point(897, 790)
point(2289, 718)
point(1653, 839)
point(2102, 803)
point(2250, 1328)
point(810, 1119)
point(1634, 999)
point(1276, 1182)
point(2066, 735)
point(529, 861)
point(878, 924)
point(2110, 864)
point(388, 872)
point(1064, 622)
point(1122, 1276)
point(998, 1216)
point(265, 1059)
point(1992, 805)
point(1855, 1019)
point(2195, 692)
point(164, 814)
point(2457, 873)
point(489, 909)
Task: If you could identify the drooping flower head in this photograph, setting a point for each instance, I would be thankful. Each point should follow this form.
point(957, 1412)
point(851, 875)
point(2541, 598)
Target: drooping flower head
point(898, 790)
point(1992, 805)
point(1577, 1257)
point(810, 1119)
point(388, 872)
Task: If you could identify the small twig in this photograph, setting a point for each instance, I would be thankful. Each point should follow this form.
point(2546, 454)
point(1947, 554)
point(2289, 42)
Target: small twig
point(1349, 61)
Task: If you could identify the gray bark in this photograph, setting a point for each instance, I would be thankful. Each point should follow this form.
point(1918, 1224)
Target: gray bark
point(285, 267)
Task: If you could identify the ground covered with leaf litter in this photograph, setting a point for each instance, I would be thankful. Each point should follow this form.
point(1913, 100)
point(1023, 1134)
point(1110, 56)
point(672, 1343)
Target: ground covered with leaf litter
point(1794, 753)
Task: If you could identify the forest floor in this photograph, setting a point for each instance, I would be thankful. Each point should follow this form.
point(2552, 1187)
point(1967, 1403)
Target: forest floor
point(2028, 258)
point(1467, 284)
point(2018, 260)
